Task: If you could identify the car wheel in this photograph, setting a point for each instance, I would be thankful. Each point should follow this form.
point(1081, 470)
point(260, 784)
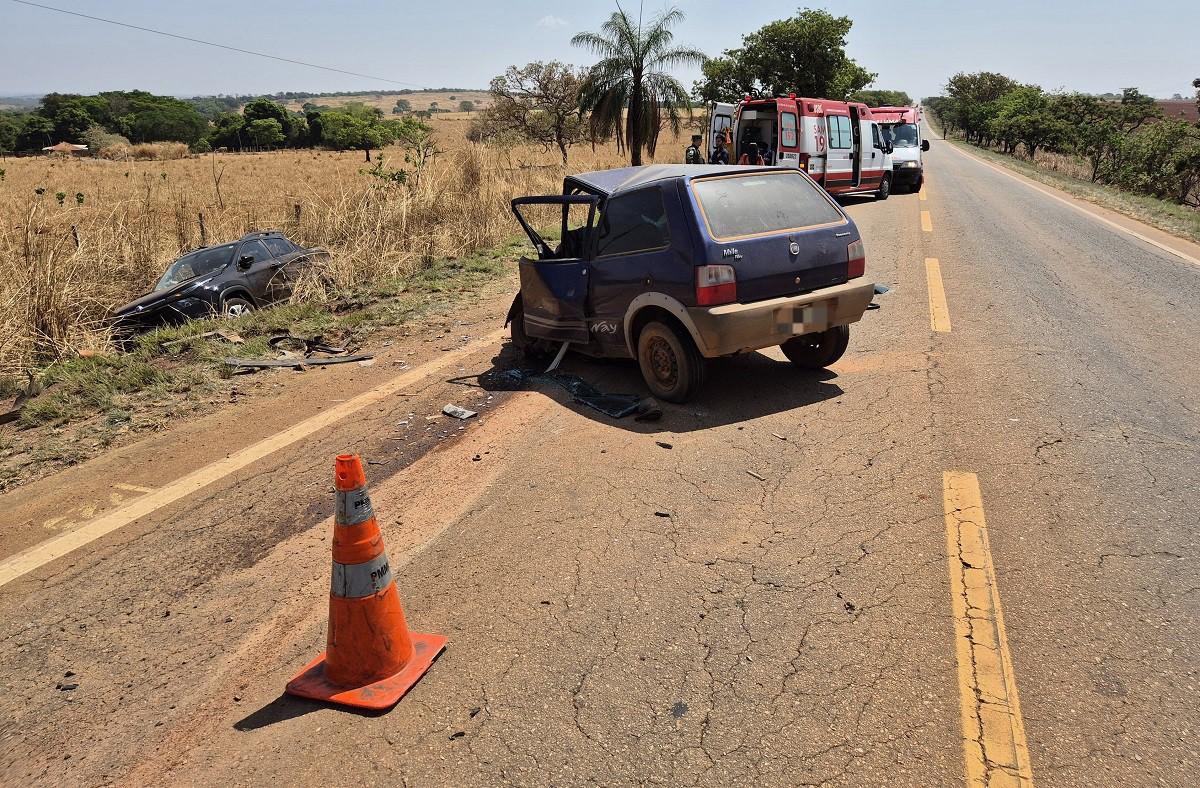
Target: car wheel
point(817, 350)
point(528, 349)
point(671, 365)
point(885, 188)
point(235, 307)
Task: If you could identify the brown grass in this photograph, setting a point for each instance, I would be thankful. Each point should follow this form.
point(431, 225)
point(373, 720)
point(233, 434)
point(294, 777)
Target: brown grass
point(100, 232)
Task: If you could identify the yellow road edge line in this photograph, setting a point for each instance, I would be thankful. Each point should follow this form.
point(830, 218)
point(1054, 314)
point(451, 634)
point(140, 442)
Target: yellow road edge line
point(1115, 225)
point(926, 222)
point(939, 312)
point(995, 750)
point(921, 194)
point(39, 555)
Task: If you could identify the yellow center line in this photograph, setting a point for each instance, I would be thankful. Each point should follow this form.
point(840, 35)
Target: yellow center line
point(926, 222)
point(994, 746)
point(921, 195)
point(939, 313)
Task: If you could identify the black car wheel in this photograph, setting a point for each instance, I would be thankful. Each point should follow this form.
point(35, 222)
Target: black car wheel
point(885, 188)
point(671, 365)
point(236, 306)
point(814, 351)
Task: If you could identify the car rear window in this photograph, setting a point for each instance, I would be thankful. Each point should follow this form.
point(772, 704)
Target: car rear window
point(279, 246)
point(761, 203)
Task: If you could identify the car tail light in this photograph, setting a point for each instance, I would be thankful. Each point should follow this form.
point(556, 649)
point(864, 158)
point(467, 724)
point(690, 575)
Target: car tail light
point(856, 259)
point(715, 284)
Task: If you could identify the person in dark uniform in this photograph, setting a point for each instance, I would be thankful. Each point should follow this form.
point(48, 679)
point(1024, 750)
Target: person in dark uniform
point(693, 155)
point(720, 154)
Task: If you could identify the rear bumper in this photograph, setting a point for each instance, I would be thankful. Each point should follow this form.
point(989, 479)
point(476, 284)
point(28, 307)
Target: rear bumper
point(734, 328)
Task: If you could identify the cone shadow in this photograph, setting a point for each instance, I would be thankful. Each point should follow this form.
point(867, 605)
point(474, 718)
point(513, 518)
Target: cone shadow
point(285, 707)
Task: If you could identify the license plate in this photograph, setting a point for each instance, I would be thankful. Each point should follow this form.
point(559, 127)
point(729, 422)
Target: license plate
point(810, 315)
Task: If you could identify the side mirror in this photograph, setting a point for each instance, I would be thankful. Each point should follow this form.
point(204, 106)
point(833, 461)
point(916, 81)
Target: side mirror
point(924, 144)
point(245, 261)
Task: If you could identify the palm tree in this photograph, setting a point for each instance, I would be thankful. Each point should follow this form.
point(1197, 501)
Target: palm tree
point(631, 75)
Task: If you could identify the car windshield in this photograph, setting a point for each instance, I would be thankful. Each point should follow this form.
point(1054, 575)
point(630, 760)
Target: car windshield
point(740, 205)
point(901, 135)
point(201, 263)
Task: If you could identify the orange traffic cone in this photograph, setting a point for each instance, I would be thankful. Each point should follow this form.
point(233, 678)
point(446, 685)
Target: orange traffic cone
point(371, 659)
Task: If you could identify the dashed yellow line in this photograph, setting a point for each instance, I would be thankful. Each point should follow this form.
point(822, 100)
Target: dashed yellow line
point(994, 747)
point(921, 195)
point(939, 312)
point(132, 488)
point(926, 222)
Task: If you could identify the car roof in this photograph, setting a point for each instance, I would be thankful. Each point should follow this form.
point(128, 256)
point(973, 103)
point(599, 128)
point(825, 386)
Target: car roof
point(610, 182)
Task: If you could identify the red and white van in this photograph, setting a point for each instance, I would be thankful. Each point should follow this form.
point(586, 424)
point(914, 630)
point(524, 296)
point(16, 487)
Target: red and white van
point(838, 143)
point(901, 128)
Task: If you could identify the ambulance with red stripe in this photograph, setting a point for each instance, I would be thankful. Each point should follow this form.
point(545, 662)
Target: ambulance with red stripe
point(838, 143)
point(901, 128)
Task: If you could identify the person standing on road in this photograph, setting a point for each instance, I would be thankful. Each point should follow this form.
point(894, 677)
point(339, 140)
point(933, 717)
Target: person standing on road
point(720, 154)
point(693, 154)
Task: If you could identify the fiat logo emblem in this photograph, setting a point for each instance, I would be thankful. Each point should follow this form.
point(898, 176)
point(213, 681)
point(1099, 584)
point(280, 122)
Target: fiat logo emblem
point(794, 248)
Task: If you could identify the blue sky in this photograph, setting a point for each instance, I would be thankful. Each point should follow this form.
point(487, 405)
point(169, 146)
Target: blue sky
point(913, 45)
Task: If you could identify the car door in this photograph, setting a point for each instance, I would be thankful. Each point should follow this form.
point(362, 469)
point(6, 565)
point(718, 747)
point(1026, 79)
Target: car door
point(839, 166)
point(633, 253)
point(257, 267)
point(288, 261)
point(554, 287)
point(720, 126)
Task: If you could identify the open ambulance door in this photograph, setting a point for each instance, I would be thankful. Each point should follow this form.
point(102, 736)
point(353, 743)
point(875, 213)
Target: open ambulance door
point(720, 125)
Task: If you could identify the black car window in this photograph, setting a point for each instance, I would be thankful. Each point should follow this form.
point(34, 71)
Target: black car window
point(198, 263)
point(634, 222)
point(256, 250)
point(279, 246)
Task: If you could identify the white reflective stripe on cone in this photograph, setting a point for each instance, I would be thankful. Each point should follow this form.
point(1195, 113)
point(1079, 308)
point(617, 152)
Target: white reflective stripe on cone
point(351, 581)
point(353, 507)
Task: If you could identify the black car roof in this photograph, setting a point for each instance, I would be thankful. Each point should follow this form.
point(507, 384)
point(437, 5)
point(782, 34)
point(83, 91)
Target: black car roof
point(610, 182)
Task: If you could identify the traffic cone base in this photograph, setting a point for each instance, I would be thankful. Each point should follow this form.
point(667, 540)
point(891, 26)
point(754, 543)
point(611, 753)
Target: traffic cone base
point(383, 694)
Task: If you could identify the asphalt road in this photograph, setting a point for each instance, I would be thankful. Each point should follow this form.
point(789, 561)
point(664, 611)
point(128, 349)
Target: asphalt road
point(797, 591)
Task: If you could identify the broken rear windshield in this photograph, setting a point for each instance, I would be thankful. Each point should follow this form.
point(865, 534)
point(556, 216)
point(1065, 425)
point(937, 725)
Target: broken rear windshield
point(740, 205)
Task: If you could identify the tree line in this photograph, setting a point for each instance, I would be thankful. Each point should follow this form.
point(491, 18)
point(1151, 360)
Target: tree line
point(1126, 141)
point(630, 96)
point(128, 117)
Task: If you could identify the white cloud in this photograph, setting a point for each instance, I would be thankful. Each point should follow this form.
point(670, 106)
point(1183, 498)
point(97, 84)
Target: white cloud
point(550, 21)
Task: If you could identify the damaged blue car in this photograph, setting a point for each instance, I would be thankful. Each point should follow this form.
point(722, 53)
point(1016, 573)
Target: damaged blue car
point(675, 264)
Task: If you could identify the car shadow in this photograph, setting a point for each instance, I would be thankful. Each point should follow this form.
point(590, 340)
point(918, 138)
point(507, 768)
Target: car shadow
point(736, 389)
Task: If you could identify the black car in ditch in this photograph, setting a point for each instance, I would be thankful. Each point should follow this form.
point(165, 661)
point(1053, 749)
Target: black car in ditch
point(232, 279)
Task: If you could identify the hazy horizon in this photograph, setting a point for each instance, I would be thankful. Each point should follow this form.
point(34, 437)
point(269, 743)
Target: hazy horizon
point(1071, 46)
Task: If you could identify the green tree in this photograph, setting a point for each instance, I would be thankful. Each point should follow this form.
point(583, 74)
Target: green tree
point(1025, 115)
point(265, 109)
point(882, 98)
point(629, 91)
point(402, 106)
point(466, 106)
point(228, 128)
point(266, 133)
point(537, 103)
point(804, 54)
point(972, 102)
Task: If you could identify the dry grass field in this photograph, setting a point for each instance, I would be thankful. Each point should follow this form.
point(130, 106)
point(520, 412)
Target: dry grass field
point(79, 237)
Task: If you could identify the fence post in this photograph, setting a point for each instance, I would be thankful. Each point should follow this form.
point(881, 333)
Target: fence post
point(203, 232)
point(75, 235)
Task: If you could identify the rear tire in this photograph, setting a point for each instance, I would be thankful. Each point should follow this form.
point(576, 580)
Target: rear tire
point(885, 188)
point(671, 365)
point(819, 350)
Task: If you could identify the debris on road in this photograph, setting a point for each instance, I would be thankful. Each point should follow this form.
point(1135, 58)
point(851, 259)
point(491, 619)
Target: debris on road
point(664, 444)
point(298, 363)
point(777, 435)
point(459, 413)
point(616, 406)
point(757, 476)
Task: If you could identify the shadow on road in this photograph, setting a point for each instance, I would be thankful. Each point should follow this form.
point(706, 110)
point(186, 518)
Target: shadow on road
point(288, 707)
point(736, 389)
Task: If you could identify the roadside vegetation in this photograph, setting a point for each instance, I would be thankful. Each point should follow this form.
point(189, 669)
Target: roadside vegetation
point(1115, 145)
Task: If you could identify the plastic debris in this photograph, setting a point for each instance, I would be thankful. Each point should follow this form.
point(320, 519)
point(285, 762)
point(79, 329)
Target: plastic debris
point(458, 413)
point(757, 476)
